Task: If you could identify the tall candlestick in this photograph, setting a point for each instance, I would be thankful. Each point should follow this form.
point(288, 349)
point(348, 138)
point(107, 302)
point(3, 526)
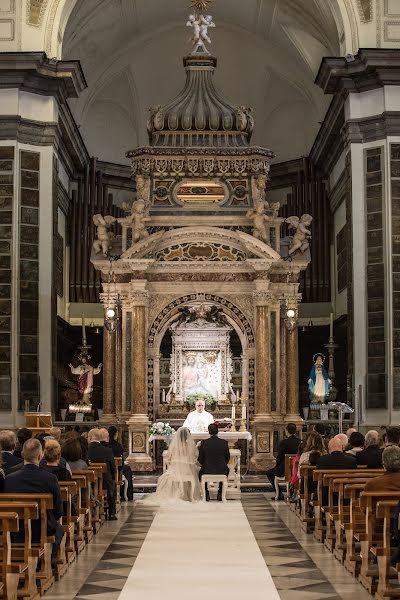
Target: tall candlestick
point(83, 331)
point(243, 411)
point(331, 327)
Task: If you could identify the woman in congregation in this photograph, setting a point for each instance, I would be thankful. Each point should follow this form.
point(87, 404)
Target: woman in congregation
point(314, 443)
point(51, 462)
point(72, 452)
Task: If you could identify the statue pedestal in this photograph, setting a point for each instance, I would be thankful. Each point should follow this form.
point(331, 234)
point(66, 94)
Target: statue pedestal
point(139, 458)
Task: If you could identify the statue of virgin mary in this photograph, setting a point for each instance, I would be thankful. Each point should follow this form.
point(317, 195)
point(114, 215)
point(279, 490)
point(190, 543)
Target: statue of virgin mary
point(319, 383)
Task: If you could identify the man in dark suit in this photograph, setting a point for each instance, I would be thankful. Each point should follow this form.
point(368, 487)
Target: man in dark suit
point(336, 459)
point(371, 456)
point(8, 442)
point(31, 479)
point(289, 445)
point(214, 457)
point(97, 453)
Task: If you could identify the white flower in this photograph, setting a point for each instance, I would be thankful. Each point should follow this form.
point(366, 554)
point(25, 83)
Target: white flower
point(160, 424)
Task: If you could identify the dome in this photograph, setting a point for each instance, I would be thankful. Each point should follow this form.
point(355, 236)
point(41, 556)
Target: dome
point(199, 115)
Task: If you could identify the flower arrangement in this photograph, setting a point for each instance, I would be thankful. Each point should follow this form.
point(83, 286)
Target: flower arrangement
point(161, 428)
point(209, 399)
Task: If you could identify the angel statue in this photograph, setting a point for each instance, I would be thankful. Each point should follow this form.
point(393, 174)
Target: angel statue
point(143, 189)
point(200, 31)
point(260, 222)
point(302, 234)
point(258, 184)
point(102, 243)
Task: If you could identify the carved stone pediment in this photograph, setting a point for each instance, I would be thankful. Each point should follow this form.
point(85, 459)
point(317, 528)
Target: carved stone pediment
point(200, 244)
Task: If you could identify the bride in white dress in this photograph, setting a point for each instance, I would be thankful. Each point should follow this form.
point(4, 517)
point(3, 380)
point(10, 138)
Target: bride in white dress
point(180, 482)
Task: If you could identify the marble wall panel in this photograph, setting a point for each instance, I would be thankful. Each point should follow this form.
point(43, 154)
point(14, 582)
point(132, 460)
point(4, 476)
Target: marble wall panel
point(395, 213)
point(6, 224)
point(29, 280)
point(376, 341)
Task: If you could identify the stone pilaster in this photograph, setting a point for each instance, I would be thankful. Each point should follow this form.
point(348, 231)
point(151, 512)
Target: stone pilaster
point(118, 369)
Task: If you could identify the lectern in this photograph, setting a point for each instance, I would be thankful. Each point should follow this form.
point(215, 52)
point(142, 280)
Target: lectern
point(38, 422)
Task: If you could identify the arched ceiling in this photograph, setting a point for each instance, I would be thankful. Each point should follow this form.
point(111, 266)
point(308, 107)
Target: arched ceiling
point(268, 52)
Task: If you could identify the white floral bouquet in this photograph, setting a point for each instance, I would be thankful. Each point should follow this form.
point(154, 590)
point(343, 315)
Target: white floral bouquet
point(161, 428)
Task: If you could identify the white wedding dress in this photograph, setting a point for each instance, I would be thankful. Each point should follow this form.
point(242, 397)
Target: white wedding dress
point(180, 482)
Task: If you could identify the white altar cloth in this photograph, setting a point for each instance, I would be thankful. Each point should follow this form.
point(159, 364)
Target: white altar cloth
point(230, 436)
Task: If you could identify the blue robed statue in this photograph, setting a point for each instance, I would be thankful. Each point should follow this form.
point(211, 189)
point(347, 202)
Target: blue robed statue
point(319, 383)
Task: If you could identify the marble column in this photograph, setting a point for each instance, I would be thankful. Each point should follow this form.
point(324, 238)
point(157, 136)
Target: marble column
point(292, 370)
point(108, 375)
point(118, 368)
point(139, 457)
point(139, 396)
point(282, 368)
point(262, 424)
point(263, 359)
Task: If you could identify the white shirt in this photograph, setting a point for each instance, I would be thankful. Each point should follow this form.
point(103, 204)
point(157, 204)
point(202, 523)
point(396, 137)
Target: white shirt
point(198, 422)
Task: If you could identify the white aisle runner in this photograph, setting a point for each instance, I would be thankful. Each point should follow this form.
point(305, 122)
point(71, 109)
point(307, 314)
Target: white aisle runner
point(202, 551)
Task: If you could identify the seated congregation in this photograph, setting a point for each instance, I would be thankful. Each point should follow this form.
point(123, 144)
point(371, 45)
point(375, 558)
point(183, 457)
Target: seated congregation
point(346, 492)
point(56, 491)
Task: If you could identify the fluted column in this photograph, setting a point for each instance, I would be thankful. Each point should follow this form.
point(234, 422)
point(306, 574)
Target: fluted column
point(109, 375)
point(263, 359)
point(292, 370)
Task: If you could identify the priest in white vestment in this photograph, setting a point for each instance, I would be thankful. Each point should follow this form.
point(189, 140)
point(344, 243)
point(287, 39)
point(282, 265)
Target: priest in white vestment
point(198, 420)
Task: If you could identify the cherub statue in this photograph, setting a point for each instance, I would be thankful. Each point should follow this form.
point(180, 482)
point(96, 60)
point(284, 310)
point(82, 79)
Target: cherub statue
point(102, 243)
point(274, 209)
point(143, 189)
point(260, 222)
point(200, 31)
point(302, 234)
point(258, 190)
point(138, 218)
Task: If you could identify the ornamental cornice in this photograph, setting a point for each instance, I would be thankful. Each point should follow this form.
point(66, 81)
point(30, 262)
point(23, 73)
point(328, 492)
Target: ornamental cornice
point(200, 162)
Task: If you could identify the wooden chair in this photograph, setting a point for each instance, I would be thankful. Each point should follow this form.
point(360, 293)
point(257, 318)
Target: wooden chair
point(99, 491)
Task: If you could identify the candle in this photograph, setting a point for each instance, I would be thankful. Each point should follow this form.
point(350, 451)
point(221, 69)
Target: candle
point(331, 327)
point(243, 411)
point(83, 331)
point(233, 412)
point(163, 396)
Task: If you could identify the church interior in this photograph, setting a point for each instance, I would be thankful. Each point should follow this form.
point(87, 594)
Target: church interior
point(199, 299)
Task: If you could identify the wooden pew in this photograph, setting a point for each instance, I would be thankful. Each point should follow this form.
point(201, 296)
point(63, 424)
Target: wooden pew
point(372, 540)
point(385, 589)
point(88, 506)
point(100, 494)
point(354, 527)
point(342, 517)
point(307, 521)
point(23, 553)
point(324, 478)
point(42, 549)
point(10, 572)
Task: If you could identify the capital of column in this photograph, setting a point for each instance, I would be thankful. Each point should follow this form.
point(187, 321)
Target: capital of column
point(262, 297)
point(139, 298)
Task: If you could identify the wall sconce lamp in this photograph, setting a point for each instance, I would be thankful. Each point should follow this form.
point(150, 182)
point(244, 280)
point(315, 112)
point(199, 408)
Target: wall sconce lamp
point(290, 320)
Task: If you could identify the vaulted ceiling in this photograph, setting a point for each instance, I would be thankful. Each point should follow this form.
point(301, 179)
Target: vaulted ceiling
point(268, 54)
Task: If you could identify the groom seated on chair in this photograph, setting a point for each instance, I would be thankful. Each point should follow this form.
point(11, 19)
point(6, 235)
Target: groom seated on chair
point(214, 457)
